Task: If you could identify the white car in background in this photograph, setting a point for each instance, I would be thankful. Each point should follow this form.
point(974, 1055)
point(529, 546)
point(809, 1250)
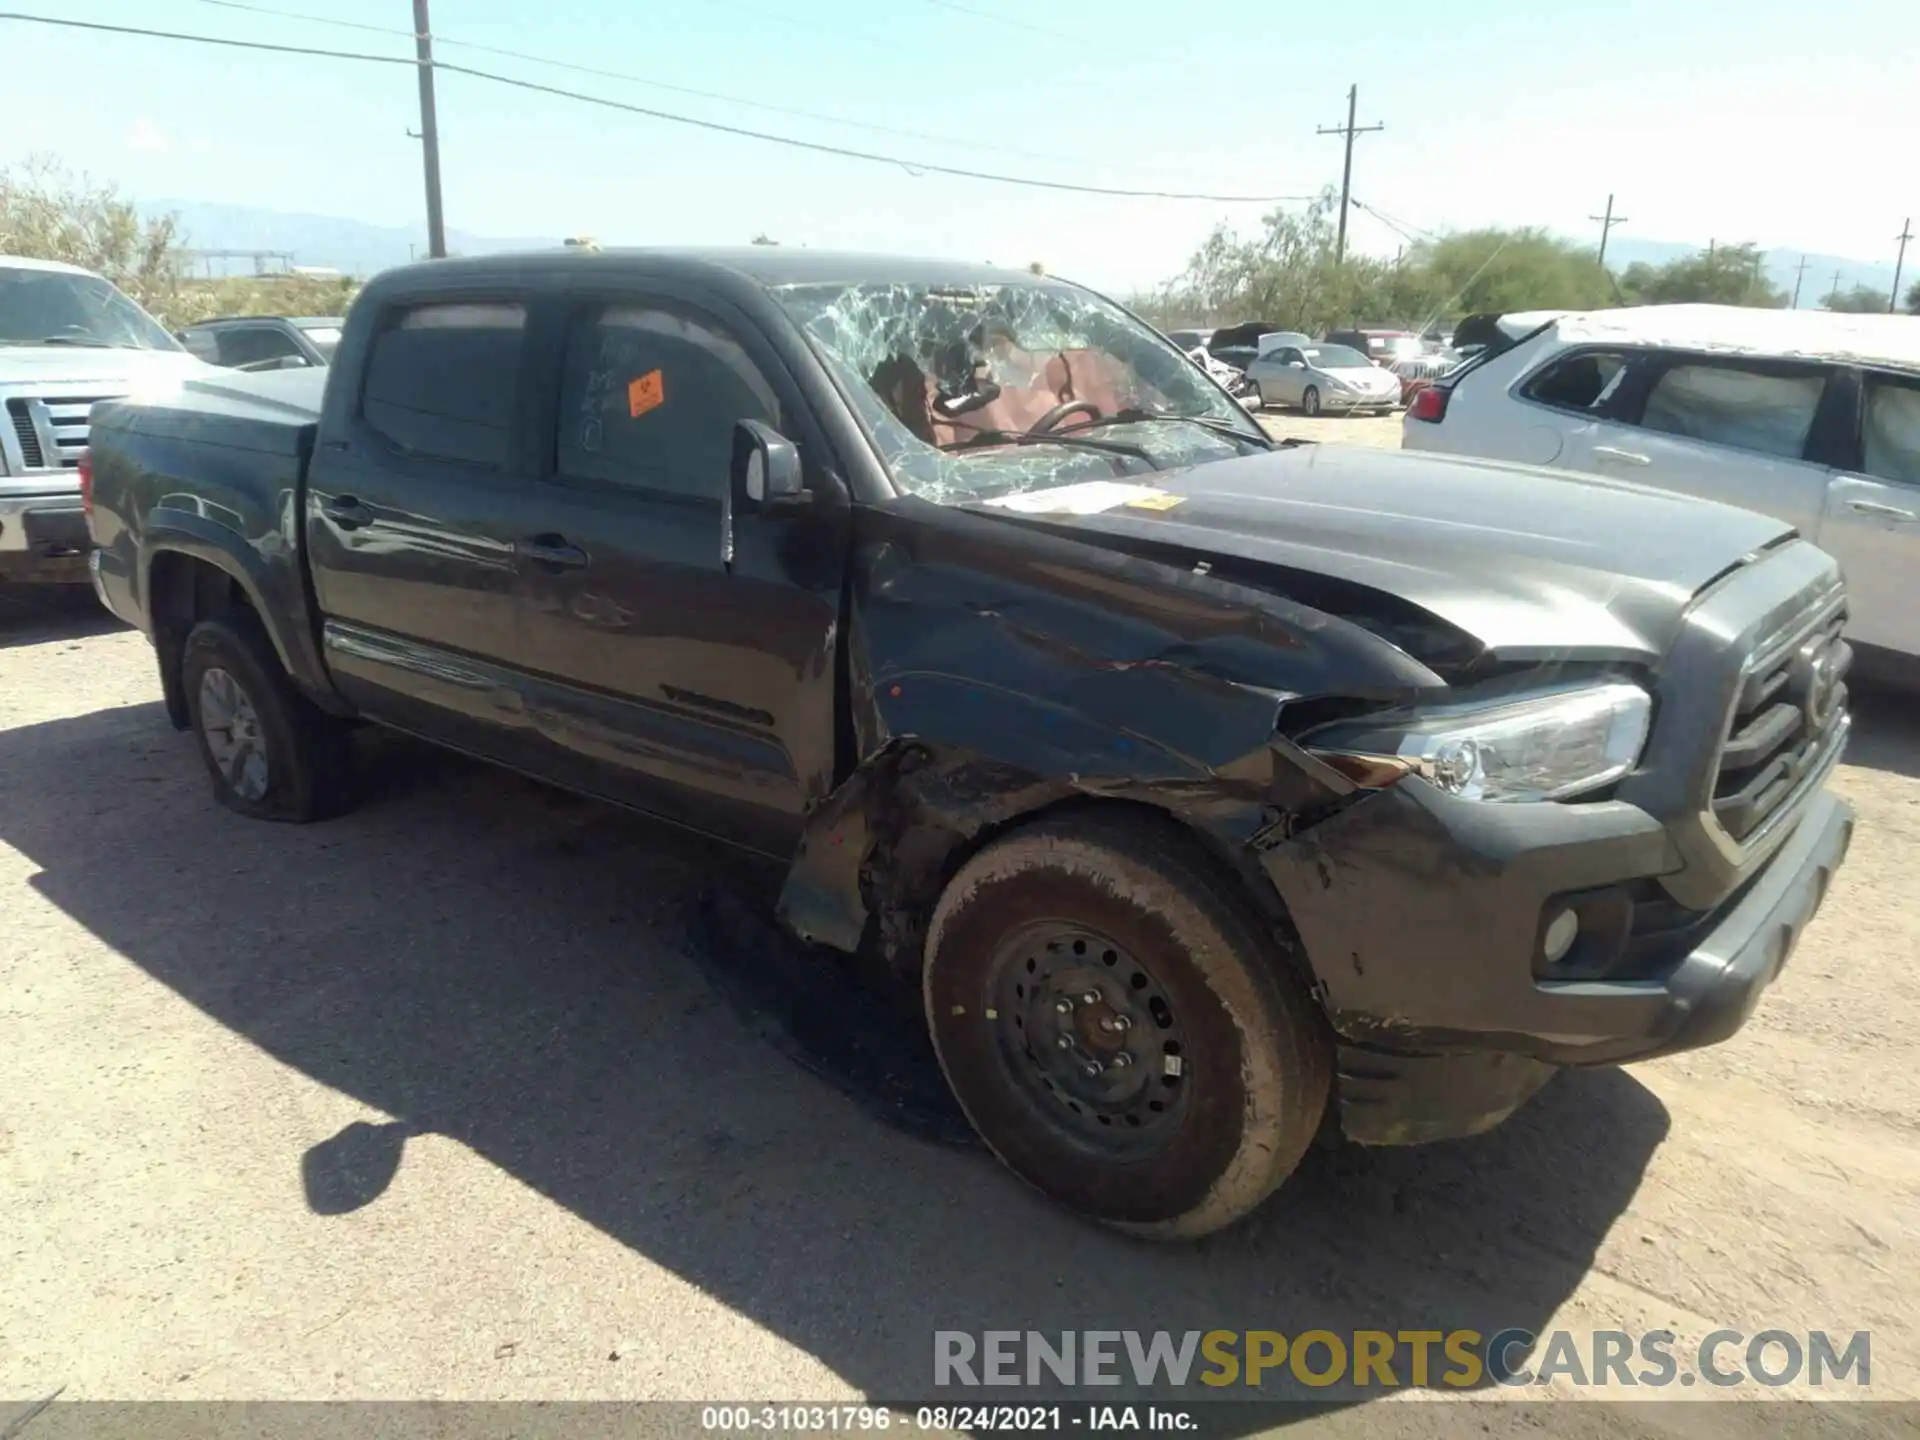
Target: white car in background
point(1318, 377)
point(1808, 416)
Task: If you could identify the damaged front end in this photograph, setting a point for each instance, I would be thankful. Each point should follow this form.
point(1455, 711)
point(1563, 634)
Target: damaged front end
point(997, 671)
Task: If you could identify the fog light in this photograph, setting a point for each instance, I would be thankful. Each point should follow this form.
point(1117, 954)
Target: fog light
point(1561, 932)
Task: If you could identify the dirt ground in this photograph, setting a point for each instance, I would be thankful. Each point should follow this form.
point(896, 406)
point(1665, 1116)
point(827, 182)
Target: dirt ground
point(445, 1099)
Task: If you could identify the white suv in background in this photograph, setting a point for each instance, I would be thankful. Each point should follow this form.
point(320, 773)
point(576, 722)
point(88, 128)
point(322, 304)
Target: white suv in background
point(1808, 416)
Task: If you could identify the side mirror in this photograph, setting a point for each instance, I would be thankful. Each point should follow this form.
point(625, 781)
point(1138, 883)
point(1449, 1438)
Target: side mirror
point(766, 467)
point(294, 362)
point(1296, 364)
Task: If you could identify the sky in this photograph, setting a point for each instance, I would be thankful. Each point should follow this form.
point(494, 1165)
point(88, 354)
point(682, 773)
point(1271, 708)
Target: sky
point(1759, 120)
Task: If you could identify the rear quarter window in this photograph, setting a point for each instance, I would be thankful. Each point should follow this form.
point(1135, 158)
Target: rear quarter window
point(442, 380)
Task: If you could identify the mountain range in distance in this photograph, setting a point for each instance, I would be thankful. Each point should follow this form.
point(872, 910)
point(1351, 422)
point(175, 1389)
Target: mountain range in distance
point(354, 247)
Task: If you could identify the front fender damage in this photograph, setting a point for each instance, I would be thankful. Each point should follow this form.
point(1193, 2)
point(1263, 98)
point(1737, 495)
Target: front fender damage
point(994, 671)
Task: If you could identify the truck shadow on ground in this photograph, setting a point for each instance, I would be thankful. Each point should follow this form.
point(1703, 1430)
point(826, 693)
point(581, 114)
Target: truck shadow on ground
point(482, 958)
point(1886, 730)
point(35, 614)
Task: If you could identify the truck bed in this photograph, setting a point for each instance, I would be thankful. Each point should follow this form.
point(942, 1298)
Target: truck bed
point(272, 413)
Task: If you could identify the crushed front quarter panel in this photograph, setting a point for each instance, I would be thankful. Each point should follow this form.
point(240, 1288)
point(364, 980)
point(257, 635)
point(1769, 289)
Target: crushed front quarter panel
point(997, 669)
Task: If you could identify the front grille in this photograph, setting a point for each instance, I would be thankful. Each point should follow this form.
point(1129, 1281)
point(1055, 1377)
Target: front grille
point(29, 437)
point(52, 431)
point(1792, 700)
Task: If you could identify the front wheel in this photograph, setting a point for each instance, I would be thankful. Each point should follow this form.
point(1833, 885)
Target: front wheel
point(270, 752)
point(1120, 1028)
point(1310, 401)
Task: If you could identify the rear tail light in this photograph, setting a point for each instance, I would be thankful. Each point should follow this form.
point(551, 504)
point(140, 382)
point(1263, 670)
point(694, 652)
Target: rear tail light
point(1429, 404)
point(86, 484)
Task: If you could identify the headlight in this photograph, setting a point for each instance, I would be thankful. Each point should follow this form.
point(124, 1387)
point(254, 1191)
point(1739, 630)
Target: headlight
point(1535, 747)
point(1334, 382)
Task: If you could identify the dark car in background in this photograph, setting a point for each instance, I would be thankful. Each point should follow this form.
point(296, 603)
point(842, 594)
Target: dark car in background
point(1380, 345)
point(265, 342)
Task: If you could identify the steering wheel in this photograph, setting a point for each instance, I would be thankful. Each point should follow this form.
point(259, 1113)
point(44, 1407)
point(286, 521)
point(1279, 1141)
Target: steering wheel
point(1051, 420)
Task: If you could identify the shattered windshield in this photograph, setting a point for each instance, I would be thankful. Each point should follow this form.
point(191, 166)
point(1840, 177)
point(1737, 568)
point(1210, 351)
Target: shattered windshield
point(57, 307)
point(977, 392)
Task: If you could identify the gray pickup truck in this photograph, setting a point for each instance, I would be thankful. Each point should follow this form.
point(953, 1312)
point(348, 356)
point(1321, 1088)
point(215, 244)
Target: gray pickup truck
point(1212, 792)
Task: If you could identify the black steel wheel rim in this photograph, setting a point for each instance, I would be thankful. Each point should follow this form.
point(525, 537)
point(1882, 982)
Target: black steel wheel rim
point(1088, 1037)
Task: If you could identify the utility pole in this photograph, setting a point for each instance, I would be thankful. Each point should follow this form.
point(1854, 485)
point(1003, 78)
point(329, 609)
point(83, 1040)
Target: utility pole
point(1349, 130)
point(1799, 272)
point(1906, 234)
point(429, 131)
point(1836, 289)
point(1607, 222)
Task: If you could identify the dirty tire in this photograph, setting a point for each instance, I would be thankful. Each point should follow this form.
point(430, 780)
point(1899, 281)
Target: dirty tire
point(306, 751)
point(1259, 1061)
point(1310, 400)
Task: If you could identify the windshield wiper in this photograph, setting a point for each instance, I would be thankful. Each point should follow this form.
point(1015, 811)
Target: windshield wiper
point(982, 438)
point(88, 341)
point(1219, 427)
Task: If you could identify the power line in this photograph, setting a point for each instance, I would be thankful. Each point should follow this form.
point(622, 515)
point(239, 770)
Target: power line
point(816, 147)
point(207, 39)
point(629, 78)
point(1349, 130)
point(1405, 229)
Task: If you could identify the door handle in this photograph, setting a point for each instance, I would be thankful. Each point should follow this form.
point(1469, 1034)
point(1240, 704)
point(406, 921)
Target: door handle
point(550, 552)
point(1619, 456)
point(347, 512)
point(1882, 512)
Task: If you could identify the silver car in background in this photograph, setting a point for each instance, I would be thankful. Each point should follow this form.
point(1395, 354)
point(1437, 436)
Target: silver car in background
point(1317, 378)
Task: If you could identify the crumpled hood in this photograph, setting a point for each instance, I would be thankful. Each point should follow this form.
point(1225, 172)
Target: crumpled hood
point(90, 368)
point(1531, 563)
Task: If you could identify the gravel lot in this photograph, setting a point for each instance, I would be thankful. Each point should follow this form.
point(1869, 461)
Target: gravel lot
point(442, 1099)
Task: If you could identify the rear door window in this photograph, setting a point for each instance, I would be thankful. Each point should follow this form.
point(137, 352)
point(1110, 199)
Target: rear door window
point(442, 381)
point(1890, 429)
point(1764, 410)
point(1582, 383)
point(254, 345)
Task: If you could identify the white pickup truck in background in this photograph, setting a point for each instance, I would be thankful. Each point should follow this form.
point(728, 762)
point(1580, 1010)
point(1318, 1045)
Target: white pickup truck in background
point(68, 338)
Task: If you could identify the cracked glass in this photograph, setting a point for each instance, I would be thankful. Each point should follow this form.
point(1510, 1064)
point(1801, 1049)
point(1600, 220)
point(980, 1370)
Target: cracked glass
point(977, 392)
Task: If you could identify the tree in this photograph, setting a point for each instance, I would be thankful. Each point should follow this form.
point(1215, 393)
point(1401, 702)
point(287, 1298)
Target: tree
point(1859, 300)
point(1500, 271)
point(764, 239)
point(1723, 275)
point(1912, 302)
point(1287, 276)
point(46, 213)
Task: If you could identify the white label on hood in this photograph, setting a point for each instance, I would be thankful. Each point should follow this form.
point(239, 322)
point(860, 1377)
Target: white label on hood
point(1090, 497)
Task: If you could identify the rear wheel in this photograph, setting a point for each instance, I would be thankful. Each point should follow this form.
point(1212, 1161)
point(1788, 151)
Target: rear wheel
point(1120, 1028)
point(1310, 400)
point(270, 752)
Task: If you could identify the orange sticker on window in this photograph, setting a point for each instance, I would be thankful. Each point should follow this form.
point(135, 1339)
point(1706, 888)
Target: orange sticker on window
point(646, 393)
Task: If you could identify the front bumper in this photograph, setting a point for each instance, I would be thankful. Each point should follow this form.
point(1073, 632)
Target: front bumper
point(1331, 399)
point(43, 537)
point(1422, 916)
